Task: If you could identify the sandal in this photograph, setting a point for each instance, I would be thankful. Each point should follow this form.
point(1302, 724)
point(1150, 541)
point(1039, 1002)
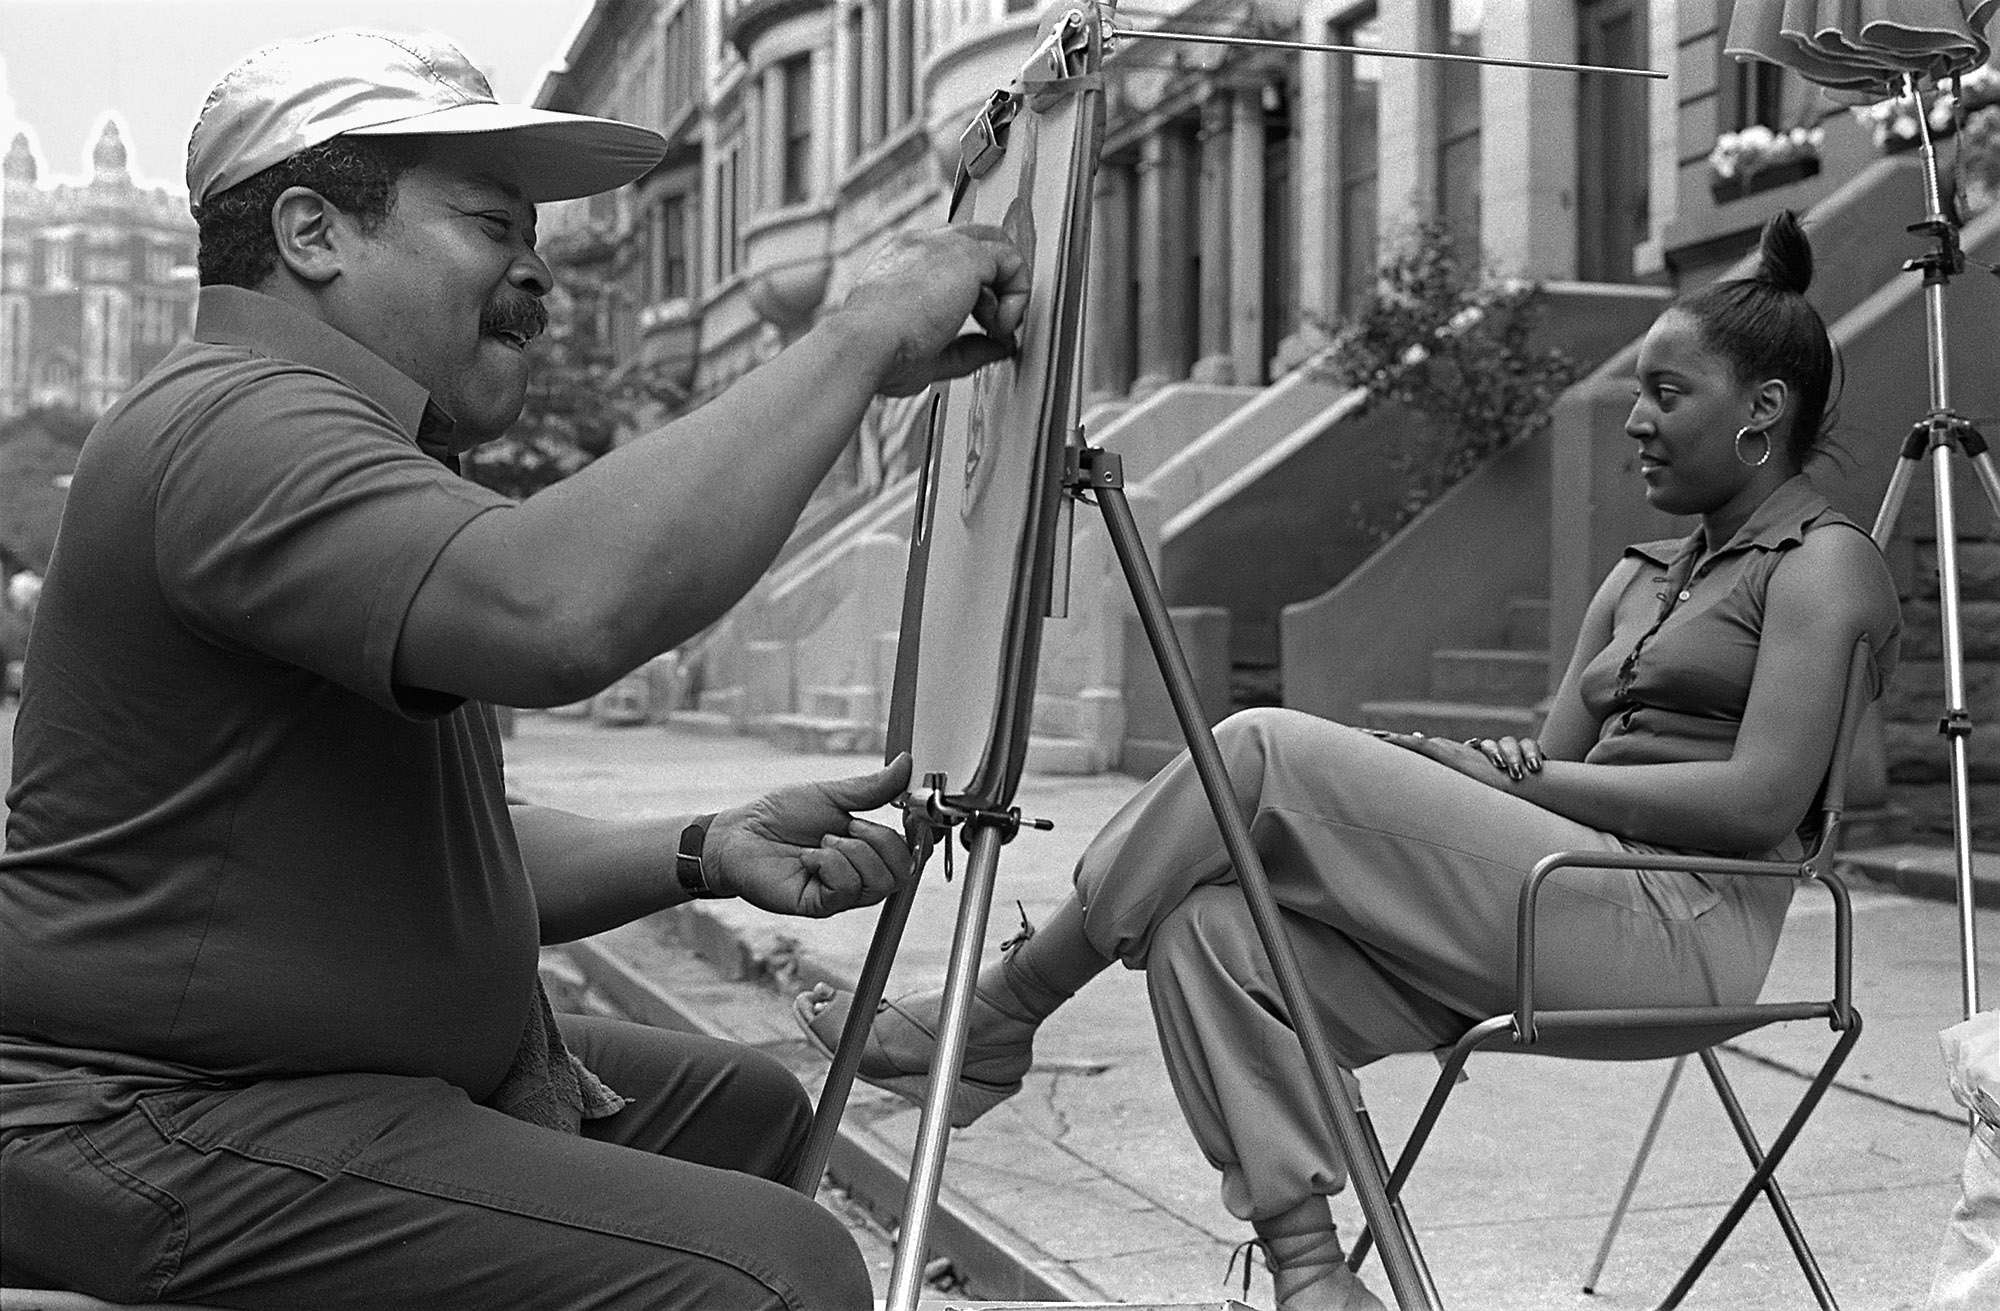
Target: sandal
point(897, 1056)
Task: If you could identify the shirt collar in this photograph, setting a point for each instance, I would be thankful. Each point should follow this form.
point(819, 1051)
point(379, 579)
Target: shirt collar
point(1779, 521)
point(237, 316)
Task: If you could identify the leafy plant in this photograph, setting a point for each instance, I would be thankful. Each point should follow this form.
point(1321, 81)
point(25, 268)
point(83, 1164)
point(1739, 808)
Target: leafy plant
point(579, 402)
point(1453, 342)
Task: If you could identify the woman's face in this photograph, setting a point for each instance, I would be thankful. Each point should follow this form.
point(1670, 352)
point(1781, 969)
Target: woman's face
point(1687, 409)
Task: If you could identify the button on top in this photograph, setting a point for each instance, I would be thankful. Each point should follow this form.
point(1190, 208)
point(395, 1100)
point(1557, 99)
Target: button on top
point(1684, 596)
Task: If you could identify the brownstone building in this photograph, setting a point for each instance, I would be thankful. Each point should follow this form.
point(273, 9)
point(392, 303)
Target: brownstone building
point(97, 279)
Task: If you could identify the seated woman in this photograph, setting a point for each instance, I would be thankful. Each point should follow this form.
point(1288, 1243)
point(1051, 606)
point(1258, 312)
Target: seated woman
point(1697, 714)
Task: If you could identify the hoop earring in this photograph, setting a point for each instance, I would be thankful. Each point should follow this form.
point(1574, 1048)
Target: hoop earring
point(1745, 431)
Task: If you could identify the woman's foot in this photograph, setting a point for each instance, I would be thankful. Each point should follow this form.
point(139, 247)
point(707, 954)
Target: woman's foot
point(903, 1040)
point(1308, 1268)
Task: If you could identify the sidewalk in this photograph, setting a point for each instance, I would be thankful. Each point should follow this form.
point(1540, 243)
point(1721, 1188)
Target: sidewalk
point(1088, 1186)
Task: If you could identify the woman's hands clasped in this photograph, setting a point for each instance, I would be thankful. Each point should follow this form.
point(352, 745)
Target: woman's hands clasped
point(1477, 757)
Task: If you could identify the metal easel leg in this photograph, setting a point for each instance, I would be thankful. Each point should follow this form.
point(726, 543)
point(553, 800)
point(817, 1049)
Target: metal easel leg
point(1101, 473)
point(868, 990)
point(975, 901)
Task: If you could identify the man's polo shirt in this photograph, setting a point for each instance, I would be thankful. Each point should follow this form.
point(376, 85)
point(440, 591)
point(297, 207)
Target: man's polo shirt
point(237, 849)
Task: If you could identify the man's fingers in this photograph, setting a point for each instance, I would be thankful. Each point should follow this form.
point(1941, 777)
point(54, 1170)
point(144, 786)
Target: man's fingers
point(887, 845)
point(870, 791)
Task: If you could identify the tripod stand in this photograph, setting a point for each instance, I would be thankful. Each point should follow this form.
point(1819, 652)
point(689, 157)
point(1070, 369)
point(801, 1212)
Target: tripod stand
point(1936, 437)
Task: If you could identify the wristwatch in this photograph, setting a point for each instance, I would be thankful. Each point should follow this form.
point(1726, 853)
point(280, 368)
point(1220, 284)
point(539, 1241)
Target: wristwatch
point(687, 861)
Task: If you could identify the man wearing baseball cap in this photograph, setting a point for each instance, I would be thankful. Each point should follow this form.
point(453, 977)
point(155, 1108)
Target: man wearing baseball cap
point(271, 1032)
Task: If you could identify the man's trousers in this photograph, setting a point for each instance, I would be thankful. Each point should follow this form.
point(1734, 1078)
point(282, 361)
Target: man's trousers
point(372, 1192)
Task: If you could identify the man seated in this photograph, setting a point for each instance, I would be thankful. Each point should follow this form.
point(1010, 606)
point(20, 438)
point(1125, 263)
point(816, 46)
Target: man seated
point(271, 1033)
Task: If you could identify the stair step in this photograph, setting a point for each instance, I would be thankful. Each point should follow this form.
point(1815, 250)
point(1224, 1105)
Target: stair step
point(1490, 677)
point(1454, 719)
point(820, 734)
point(1527, 624)
point(1064, 755)
point(705, 723)
point(855, 702)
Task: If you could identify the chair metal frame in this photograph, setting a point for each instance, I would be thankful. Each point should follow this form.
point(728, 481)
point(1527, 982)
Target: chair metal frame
point(1680, 1031)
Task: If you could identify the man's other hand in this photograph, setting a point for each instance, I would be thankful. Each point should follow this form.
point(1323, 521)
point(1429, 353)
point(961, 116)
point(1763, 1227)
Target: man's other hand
point(803, 850)
point(915, 296)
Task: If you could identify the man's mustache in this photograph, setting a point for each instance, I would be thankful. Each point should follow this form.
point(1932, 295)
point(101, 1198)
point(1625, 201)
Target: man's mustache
point(518, 315)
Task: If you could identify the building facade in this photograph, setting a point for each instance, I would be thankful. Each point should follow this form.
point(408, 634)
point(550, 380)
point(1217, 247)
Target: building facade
point(1242, 196)
point(97, 280)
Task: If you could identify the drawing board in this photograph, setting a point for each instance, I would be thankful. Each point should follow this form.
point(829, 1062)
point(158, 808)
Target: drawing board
point(984, 541)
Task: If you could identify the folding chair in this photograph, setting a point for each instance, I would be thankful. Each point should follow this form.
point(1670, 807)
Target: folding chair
point(1650, 1033)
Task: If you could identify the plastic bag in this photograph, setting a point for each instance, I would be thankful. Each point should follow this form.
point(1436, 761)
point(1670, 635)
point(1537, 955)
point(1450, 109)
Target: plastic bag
point(1968, 1271)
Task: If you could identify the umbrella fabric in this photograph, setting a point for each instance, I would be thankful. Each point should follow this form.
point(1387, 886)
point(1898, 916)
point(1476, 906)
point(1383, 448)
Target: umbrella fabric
point(1864, 45)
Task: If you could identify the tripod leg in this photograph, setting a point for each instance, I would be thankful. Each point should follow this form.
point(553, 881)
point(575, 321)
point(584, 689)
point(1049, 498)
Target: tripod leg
point(853, 1039)
point(975, 900)
point(1632, 1178)
point(1408, 1278)
point(1957, 724)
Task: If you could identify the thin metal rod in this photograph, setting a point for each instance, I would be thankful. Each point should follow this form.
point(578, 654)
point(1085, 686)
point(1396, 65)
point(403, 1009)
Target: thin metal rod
point(1957, 718)
point(1408, 1279)
point(1632, 1177)
point(868, 992)
point(1767, 1167)
point(975, 900)
point(1268, 43)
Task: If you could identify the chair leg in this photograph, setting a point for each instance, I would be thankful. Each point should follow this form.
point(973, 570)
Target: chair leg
point(1420, 1132)
point(1632, 1176)
point(1763, 1177)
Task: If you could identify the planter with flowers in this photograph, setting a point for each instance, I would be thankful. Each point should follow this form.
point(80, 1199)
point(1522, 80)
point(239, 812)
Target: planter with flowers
point(1969, 110)
point(1757, 159)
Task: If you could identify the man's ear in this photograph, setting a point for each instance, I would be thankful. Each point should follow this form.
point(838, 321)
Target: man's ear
point(302, 223)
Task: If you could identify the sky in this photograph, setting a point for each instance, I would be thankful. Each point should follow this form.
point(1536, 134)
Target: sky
point(64, 63)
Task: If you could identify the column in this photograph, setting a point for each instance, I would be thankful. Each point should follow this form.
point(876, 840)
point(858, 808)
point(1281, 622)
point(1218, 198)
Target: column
point(1108, 334)
point(1165, 337)
point(1528, 141)
point(1246, 233)
point(1213, 309)
point(874, 73)
point(1315, 132)
point(1406, 145)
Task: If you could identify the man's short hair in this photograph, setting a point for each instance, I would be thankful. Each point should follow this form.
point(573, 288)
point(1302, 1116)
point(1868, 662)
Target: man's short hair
point(359, 175)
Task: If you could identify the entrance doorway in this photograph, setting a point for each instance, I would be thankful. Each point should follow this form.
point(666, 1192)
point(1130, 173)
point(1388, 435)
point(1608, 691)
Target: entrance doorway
point(1613, 171)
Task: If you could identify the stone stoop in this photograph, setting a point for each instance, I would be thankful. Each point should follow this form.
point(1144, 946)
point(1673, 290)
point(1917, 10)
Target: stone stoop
point(831, 720)
point(1487, 692)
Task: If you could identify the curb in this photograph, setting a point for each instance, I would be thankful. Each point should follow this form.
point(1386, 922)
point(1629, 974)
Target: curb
point(983, 1249)
point(1925, 872)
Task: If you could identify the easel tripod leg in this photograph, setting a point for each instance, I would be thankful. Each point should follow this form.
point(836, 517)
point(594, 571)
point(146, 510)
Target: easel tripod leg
point(868, 992)
point(975, 900)
point(1408, 1278)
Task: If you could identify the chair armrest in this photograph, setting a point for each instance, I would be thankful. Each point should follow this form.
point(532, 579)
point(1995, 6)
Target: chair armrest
point(1806, 870)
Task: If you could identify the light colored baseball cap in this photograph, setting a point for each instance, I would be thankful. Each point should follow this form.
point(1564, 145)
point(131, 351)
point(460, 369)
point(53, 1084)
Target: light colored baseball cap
point(287, 97)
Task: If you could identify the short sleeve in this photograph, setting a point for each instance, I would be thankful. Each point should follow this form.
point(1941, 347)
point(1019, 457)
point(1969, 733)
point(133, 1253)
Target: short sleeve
point(298, 521)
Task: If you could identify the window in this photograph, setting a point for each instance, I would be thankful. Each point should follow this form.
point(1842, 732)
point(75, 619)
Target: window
point(881, 82)
point(58, 274)
point(1357, 101)
point(795, 176)
point(159, 264)
point(1760, 95)
point(673, 248)
point(1458, 113)
point(727, 243)
point(681, 77)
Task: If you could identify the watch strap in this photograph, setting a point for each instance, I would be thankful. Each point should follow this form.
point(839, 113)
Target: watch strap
point(688, 868)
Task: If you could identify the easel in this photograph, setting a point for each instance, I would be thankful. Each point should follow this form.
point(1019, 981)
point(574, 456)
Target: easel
point(1094, 476)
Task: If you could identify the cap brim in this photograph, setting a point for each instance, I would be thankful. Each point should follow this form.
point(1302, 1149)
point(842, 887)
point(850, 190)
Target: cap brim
point(557, 156)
